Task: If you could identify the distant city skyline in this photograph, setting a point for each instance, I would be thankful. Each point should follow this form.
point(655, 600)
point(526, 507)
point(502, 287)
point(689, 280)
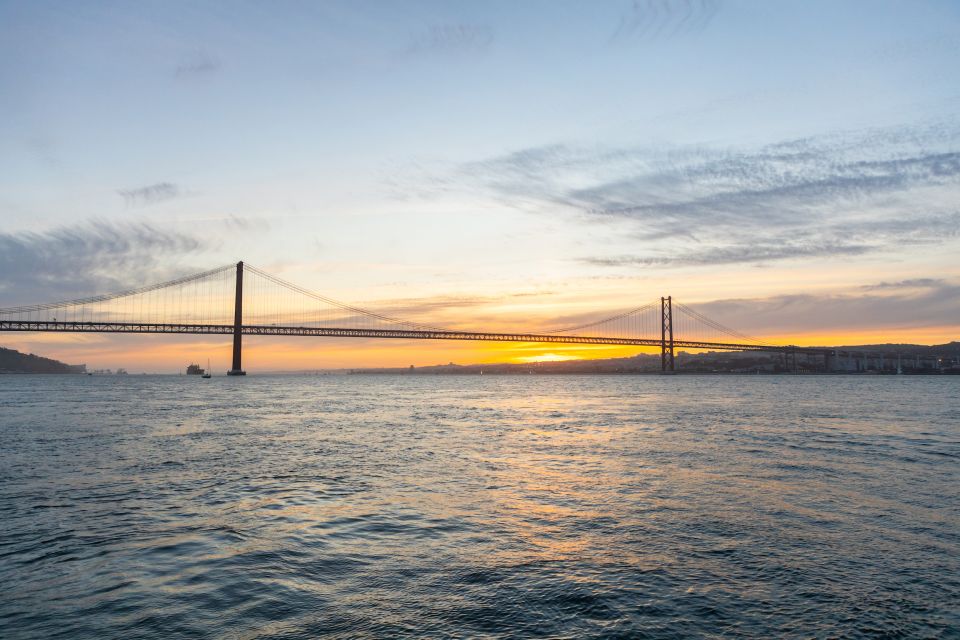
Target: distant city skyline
point(790, 168)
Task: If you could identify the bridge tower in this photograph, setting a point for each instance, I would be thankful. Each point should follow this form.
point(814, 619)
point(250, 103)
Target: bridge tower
point(666, 333)
point(237, 369)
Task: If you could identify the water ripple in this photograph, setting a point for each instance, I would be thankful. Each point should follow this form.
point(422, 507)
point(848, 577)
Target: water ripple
point(408, 506)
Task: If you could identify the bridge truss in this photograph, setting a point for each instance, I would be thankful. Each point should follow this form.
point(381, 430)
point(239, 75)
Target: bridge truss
point(408, 334)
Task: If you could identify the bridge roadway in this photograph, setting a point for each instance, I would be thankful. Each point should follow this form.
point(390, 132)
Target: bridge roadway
point(414, 334)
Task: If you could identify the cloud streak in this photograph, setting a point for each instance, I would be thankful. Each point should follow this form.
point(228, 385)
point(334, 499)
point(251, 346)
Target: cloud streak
point(913, 283)
point(199, 63)
point(150, 194)
point(74, 261)
point(934, 304)
point(826, 241)
point(837, 195)
point(650, 19)
point(452, 38)
point(738, 254)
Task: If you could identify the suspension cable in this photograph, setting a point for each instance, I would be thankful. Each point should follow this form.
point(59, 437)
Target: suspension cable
point(337, 303)
point(692, 313)
point(646, 307)
point(113, 296)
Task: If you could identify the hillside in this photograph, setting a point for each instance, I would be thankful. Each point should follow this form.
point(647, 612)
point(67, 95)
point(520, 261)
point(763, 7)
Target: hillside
point(12, 361)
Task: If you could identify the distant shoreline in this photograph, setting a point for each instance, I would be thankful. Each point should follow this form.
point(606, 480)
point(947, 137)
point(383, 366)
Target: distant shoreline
point(905, 359)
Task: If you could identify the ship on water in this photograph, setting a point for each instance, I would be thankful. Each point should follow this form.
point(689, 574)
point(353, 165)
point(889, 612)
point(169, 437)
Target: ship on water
point(194, 370)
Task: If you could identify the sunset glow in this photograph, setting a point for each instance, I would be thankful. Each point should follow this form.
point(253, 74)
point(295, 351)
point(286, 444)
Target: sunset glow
point(489, 202)
point(479, 319)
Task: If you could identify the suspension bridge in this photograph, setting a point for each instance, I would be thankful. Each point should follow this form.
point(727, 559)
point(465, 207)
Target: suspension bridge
point(241, 300)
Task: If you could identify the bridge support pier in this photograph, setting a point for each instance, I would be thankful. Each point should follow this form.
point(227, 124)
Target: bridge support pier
point(237, 369)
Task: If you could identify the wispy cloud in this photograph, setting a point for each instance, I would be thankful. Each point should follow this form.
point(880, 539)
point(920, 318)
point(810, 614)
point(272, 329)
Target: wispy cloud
point(198, 63)
point(842, 194)
point(936, 304)
point(829, 240)
point(450, 307)
point(913, 283)
point(98, 257)
point(452, 38)
point(747, 252)
point(650, 19)
point(151, 194)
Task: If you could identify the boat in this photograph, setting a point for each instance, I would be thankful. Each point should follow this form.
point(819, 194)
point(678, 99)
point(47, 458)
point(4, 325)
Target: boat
point(206, 373)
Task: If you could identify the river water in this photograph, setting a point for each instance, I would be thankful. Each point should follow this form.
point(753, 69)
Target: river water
point(494, 506)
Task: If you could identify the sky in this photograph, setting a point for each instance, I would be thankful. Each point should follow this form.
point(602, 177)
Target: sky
point(792, 169)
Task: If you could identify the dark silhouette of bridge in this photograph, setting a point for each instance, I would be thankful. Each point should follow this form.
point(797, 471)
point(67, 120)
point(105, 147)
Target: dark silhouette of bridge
point(218, 302)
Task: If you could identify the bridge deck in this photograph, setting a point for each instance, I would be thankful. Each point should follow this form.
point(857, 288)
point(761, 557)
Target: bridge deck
point(409, 334)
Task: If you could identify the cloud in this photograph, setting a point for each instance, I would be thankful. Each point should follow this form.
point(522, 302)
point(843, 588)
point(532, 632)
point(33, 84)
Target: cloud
point(747, 252)
point(452, 312)
point(913, 283)
point(826, 241)
point(75, 261)
point(739, 190)
point(908, 304)
point(252, 224)
point(650, 19)
point(846, 193)
point(198, 63)
point(452, 38)
point(934, 305)
point(151, 194)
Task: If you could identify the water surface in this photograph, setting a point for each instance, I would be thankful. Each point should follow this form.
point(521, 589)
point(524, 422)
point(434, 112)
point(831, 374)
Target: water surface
point(494, 506)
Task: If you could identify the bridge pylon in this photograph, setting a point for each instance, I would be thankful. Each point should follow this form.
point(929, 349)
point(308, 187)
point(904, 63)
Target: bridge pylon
point(237, 369)
point(666, 334)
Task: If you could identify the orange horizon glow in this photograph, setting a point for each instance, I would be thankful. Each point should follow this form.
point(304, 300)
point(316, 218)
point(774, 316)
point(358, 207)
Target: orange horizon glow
point(154, 353)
